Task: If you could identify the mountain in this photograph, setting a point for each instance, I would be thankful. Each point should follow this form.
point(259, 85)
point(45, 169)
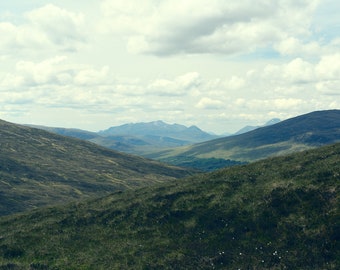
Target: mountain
point(160, 129)
point(40, 168)
point(139, 138)
point(278, 213)
point(143, 138)
point(294, 134)
point(250, 128)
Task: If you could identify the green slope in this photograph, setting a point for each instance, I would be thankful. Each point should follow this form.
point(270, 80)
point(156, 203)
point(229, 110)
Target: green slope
point(39, 168)
point(279, 213)
point(292, 135)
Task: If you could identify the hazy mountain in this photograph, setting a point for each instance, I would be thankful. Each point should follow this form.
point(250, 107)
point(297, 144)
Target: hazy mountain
point(40, 168)
point(279, 213)
point(295, 134)
point(250, 128)
point(158, 130)
point(140, 138)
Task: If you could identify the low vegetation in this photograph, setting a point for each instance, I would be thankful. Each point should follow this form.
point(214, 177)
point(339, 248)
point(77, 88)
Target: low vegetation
point(292, 135)
point(39, 168)
point(278, 213)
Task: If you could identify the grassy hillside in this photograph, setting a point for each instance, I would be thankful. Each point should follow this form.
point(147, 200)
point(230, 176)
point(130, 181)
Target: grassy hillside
point(279, 213)
point(292, 135)
point(39, 168)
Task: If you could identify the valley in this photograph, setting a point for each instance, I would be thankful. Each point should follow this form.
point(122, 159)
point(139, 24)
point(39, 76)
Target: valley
point(278, 213)
point(67, 203)
point(40, 168)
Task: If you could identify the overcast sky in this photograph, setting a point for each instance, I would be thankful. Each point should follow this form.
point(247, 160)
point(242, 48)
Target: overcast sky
point(216, 64)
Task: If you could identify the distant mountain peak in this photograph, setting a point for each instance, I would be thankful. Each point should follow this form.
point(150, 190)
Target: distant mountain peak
point(251, 128)
point(161, 129)
point(273, 121)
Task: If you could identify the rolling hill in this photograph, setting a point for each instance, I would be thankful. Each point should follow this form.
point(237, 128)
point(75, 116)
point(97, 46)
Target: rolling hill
point(277, 213)
point(295, 134)
point(40, 168)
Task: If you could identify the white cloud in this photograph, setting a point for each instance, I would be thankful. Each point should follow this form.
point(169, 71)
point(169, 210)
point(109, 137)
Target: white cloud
point(40, 73)
point(46, 28)
point(210, 104)
point(200, 26)
point(179, 86)
point(261, 60)
point(299, 71)
point(329, 67)
point(294, 46)
point(60, 26)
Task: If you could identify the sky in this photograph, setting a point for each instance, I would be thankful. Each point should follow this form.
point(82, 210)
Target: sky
point(216, 64)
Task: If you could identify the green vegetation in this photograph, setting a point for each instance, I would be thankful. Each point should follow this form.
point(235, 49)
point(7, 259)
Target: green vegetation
point(278, 213)
point(204, 164)
point(296, 134)
point(39, 168)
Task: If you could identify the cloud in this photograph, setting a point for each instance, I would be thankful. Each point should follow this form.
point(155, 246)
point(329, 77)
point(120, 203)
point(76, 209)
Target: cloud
point(294, 46)
point(44, 72)
point(210, 104)
point(182, 85)
point(48, 27)
point(329, 67)
point(328, 74)
point(60, 26)
point(201, 26)
point(54, 71)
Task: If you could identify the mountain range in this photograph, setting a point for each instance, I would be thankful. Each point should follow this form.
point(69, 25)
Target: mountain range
point(295, 134)
point(277, 213)
point(67, 203)
point(139, 138)
point(40, 168)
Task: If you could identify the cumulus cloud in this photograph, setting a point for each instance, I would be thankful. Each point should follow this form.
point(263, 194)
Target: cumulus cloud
point(210, 104)
point(60, 26)
point(200, 26)
point(48, 27)
point(182, 85)
point(40, 73)
point(329, 67)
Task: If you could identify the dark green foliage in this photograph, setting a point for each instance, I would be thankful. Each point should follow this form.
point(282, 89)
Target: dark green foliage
point(40, 168)
point(204, 164)
point(280, 213)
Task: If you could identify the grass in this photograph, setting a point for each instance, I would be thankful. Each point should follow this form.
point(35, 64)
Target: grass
point(278, 213)
point(40, 168)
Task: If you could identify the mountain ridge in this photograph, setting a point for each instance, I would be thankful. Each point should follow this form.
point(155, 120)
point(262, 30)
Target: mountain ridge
point(39, 168)
point(159, 128)
point(294, 134)
point(138, 138)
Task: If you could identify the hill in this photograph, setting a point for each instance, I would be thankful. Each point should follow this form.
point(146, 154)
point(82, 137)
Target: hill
point(40, 168)
point(278, 213)
point(139, 138)
point(160, 129)
point(294, 134)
